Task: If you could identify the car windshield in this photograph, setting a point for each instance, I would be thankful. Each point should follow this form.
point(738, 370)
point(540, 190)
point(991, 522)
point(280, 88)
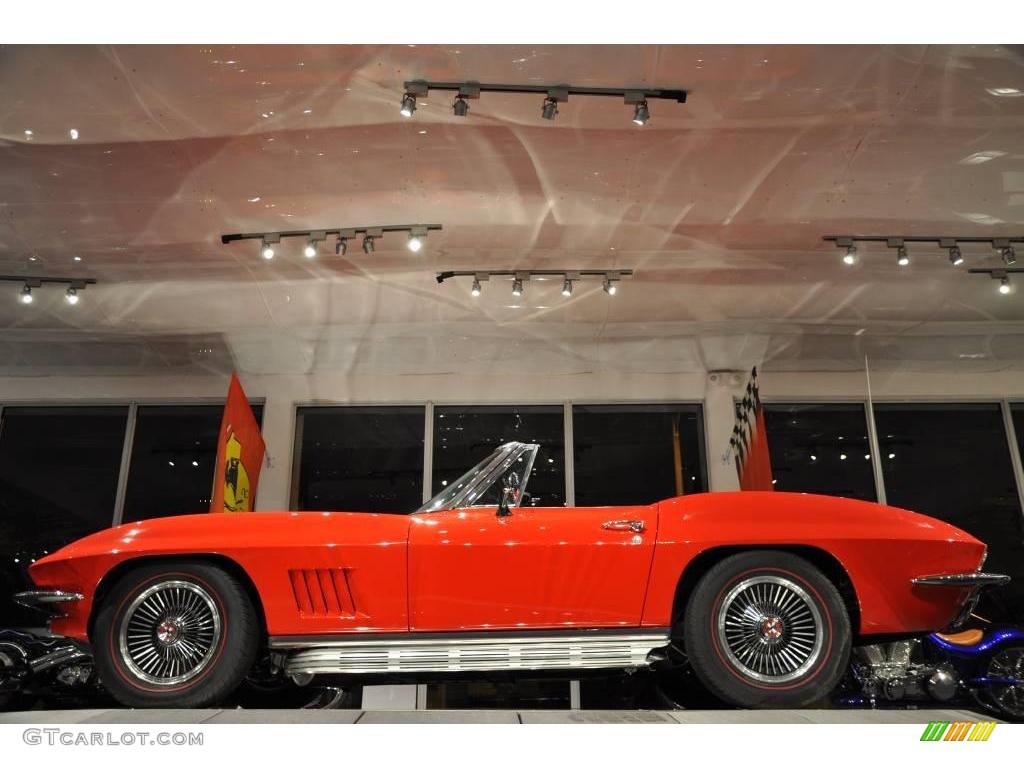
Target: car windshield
point(474, 485)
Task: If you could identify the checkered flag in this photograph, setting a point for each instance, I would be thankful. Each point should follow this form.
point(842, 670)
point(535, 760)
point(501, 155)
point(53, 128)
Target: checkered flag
point(749, 443)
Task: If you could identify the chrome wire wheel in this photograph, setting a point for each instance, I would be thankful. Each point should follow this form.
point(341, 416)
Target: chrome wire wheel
point(169, 632)
point(770, 629)
point(1009, 697)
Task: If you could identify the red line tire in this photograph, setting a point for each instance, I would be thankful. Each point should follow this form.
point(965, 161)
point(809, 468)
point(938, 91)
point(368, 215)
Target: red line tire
point(175, 634)
point(766, 629)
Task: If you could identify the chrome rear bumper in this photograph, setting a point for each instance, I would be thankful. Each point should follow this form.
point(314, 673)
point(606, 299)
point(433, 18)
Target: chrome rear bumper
point(963, 580)
point(976, 582)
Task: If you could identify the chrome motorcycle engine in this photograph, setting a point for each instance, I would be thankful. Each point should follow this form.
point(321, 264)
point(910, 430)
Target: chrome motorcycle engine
point(889, 672)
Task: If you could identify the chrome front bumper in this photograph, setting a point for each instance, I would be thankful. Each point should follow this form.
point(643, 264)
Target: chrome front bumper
point(46, 599)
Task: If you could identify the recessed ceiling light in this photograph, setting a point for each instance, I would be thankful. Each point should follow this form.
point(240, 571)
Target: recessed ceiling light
point(77, 258)
point(1005, 91)
point(73, 133)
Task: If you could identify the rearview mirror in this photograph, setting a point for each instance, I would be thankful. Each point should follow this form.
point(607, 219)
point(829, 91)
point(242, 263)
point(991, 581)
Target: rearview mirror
point(509, 494)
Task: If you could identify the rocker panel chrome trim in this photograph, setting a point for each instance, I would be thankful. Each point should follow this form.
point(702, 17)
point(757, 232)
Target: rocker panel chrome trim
point(459, 653)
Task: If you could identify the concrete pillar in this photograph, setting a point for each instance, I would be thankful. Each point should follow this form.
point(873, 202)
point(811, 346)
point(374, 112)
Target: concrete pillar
point(720, 392)
point(274, 490)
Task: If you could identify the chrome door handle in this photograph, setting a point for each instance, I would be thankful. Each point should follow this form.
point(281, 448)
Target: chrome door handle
point(636, 526)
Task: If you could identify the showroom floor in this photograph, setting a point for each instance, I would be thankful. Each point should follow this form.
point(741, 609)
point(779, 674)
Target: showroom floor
point(119, 716)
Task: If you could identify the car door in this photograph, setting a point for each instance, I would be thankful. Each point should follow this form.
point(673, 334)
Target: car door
point(552, 567)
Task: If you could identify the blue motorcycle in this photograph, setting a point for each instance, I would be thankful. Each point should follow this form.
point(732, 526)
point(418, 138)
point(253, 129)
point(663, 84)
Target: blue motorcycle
point(985, 666)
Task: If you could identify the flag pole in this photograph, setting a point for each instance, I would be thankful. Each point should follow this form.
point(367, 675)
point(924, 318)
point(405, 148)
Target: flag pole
point(876, 465)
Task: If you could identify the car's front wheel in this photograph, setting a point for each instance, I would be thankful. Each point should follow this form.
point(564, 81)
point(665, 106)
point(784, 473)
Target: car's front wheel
point(175, 635)
point(767, 629)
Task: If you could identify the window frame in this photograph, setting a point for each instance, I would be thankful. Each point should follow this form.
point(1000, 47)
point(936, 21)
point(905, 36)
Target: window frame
point(133, 404)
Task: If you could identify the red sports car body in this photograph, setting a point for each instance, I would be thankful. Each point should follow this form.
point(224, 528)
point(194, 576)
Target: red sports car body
point(766, 590)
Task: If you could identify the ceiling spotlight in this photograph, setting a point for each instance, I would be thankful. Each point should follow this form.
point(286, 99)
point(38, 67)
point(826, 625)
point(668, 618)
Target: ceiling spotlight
point(26, 294)
point(850, 257)
point(460, 107)
point(1004, 286)
point(550, 108)
point(73, 133)
point(517, 287)
point(341, 247)
point(414, 244)
point(610, 286)
point(901, 256)
point(71, 296)
point(408, 105)
point(956, 258)
point(567, 288)
point(368, 244)
point(310, 250)
point(641, 114)
point(475, 290)
point(1009, 256)
point(268, 251)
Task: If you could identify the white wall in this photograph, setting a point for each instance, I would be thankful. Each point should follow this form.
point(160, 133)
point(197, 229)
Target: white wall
point(283, 393)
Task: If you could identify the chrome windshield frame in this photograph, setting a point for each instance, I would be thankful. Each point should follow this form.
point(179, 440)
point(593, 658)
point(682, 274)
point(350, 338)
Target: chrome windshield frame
point(472, 485)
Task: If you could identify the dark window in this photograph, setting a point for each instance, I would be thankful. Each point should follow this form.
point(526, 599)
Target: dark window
point(637, 454)
point(58, 482)
point(820, 448)
point(465, 435)
point(173, 453)
point(951, 461)
point(1017, 410)
point(362, 459)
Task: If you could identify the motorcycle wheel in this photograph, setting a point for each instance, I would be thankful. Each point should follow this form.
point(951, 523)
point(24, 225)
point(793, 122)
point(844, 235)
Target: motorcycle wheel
point(1008, 698)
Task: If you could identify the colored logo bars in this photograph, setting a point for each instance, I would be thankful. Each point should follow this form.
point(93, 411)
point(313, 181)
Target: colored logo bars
point(958, 731)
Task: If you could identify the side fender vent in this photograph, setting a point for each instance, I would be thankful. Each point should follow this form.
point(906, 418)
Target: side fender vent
point(322, 591)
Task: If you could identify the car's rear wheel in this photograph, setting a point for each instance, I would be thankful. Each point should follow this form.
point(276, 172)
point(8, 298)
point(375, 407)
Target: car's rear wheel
point(767, 629)
point(175, 634)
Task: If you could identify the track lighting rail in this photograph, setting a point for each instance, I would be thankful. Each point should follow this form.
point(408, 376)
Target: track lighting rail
point(470, 89)
point(571, 274)
point(339, 231)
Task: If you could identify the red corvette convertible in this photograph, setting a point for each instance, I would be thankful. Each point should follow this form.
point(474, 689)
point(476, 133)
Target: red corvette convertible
point(766, 591)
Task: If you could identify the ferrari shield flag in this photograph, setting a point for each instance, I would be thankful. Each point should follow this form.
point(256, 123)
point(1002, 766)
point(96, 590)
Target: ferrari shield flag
point(240, 451)
point(749, 441)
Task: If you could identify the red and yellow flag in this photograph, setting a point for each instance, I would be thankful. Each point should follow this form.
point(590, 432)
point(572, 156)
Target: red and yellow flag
point(240, 450)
